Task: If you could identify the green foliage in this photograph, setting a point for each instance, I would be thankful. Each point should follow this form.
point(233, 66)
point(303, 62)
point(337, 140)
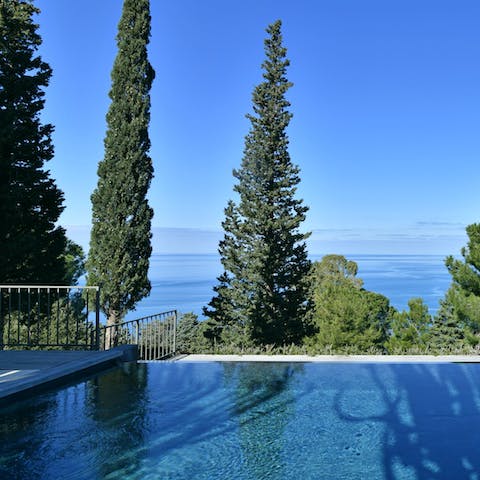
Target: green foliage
point(335, 270)
point(410, 329)
point(212, 330)
point(120, 245)
point(263, 292)
point(447, 334)
point(344, 313)
point(74, 259)
point(187, 333)
point(466, 273)
point(458, 320)
point(463, 306)
point(30, 202)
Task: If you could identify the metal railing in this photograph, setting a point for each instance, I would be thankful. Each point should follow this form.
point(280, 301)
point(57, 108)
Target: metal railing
point(155, 335)
point(39, 316)
point(68, 317)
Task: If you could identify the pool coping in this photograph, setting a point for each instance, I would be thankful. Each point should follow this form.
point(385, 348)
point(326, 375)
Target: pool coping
point(332, 358)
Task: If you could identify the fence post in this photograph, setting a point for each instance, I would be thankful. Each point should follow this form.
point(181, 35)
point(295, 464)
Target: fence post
point(97, 319)
point(174, 332)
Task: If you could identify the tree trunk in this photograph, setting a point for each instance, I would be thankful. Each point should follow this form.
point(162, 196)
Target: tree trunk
point(111, 332)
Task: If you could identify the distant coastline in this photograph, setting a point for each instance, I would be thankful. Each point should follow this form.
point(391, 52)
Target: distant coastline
point(413, 240)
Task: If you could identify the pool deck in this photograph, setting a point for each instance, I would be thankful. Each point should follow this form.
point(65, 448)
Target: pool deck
point(334, 358)
point(23, 372)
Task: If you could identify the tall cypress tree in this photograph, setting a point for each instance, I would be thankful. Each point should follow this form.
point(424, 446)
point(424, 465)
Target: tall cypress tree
point(120, 244)
point(264, 288)
point(31, 245)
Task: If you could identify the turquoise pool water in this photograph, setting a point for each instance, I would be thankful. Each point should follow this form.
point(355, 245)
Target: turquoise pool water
point(251, 421)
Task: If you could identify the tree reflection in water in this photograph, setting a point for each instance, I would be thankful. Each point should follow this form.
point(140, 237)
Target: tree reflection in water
point(264, 404)
point(117, 403)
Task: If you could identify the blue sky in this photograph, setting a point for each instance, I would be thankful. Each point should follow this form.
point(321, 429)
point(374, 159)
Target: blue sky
point(386, 105)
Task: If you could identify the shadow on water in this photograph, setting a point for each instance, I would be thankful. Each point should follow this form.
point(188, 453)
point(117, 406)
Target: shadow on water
point(430, 415)
point(149, 413)
point(264, 404)
point(185, 408)
point(207, 404)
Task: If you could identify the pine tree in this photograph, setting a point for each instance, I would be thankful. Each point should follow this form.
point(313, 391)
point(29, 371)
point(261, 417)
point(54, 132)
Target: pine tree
point(344, 313)
point(263, 291)
point(466, 273)
point(30, 203)
point(447, 335)
point(120, 244)
point(410, 329)
point(459, 310)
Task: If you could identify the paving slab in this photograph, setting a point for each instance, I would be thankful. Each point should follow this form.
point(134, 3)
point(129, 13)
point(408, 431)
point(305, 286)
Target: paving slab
point(25, 371)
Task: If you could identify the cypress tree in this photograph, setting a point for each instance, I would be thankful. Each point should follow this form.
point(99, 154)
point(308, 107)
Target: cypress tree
point(120, 244)
point(31, 245)
point(263, 291)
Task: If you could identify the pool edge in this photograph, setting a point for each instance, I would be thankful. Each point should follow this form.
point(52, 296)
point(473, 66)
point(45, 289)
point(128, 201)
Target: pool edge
point(40, 380)
point(333, 358)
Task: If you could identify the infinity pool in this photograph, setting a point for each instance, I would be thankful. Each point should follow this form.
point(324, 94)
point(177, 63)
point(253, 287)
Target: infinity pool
point(244, 421)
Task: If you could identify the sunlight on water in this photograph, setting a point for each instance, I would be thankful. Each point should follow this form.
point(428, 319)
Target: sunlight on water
point(251, 421)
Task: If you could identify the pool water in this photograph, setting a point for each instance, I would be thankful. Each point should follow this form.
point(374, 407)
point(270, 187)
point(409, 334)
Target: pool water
point(251, 421)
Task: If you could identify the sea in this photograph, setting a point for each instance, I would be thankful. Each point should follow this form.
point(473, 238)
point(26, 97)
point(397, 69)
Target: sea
point(184, 282)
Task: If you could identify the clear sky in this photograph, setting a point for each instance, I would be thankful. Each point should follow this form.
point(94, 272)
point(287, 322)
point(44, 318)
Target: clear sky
point(386, 105)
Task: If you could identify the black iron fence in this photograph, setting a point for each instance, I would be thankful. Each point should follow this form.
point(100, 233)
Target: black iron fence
point(155, 335)
point(61, 317)
point(37, 316)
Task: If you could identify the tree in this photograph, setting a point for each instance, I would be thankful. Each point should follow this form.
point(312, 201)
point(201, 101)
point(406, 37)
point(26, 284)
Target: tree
point(335, 270)
point(74, 259)
point(466, 273)
point(410, 328)
point(120, 244)
point(264, 289)
point(345, 314)
point(448, 335)
point(32, 246)
point(458, 320)
point(462, 308)
point(188, 333)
